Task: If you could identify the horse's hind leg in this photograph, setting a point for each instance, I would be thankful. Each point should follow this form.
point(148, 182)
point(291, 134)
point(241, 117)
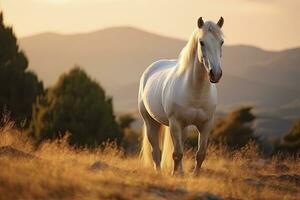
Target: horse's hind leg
point(152, 128)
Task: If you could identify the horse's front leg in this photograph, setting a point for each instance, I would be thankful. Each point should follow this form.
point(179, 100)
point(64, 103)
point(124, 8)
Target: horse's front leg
point(204, 131)
point(176, 134)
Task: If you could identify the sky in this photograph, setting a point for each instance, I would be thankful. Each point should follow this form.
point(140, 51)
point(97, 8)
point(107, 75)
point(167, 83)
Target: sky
point(269, 24)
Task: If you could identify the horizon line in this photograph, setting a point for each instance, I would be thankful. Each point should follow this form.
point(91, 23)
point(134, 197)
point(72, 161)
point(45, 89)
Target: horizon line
point(145, 31)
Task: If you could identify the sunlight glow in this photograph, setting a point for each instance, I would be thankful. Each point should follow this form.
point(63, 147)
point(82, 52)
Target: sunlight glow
point(243, 18)
point(56, 1)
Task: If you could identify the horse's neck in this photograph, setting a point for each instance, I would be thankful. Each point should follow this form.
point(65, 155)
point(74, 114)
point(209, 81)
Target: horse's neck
point(196, 78)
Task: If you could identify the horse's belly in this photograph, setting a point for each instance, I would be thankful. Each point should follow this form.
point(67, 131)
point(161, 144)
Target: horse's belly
point(152, 98)
point(158, 115)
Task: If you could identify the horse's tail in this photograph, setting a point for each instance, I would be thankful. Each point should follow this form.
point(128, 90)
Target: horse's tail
point(167, 149)
point(146, 150)
point(166, 146)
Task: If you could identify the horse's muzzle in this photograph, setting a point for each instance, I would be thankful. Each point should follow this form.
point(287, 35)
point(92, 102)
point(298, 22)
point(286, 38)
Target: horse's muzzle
point(215, 77)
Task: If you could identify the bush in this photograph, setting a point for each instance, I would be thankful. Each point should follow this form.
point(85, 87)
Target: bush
point(290, 142)
point(126, 120)
point(78, 105)
point(131, 141)
point(234, 130)
point(191, 140)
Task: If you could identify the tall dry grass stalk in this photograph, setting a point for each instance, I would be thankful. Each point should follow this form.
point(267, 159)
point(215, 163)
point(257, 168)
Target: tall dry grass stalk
point(56, 170)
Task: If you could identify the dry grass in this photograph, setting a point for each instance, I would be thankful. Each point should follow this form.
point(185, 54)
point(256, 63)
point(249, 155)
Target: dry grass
point(58, 171)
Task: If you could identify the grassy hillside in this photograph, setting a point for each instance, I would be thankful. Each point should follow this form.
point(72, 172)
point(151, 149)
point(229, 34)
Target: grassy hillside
point(58, 171)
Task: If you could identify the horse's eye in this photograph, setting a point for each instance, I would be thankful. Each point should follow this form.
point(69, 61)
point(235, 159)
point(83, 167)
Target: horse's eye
point(222, 42)
point(202, 43)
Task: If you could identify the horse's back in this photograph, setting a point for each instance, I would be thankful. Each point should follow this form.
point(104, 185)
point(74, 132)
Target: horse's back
point(159, 66)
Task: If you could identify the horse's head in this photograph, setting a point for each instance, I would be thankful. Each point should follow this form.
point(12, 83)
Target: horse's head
point(210, 48)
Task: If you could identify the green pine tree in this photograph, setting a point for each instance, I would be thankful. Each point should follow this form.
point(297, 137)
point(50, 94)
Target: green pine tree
point(19, 87)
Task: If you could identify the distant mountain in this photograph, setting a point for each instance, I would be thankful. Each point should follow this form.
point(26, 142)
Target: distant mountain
point(116, 57)
point(280, 69)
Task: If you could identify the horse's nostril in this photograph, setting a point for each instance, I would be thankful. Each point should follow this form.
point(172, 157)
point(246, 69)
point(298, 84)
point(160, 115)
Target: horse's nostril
point(211, 74)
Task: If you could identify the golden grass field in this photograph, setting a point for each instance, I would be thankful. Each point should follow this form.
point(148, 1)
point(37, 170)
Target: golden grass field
point(57, 171)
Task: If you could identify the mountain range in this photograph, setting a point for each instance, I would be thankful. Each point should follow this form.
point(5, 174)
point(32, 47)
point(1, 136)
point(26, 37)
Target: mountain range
point(116, 58)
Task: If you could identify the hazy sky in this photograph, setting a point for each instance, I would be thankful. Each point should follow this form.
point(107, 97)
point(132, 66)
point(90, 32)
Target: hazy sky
point(270, 24)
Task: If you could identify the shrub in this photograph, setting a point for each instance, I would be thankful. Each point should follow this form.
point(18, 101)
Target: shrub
point(234, 130)
point(290, 142)
point(126, 120)
point(78, 105)
point(131, 141)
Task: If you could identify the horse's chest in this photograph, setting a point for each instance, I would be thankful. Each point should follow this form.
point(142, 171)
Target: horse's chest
point(191, 108)
point(192, 114)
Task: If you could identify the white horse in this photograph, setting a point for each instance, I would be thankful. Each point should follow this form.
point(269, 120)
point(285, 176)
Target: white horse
point(175, 94)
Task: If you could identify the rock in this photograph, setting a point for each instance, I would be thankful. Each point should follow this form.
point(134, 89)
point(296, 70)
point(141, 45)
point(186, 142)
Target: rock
point(180, 190)
point(157, 191)
point(204, 196)
point(12, 152)
point(253, 182)
point(167, 192)
point(295, 178)
point(263, 162)
point(281, 168)
point(98, 165)
point(267, 178)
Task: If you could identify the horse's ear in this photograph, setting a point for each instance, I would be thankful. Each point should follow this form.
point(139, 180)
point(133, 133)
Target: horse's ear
point(221, 22)
point(200, 22)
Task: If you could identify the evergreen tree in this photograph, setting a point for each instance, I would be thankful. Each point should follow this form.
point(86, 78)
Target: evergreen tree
point(78, 105)
point(18, 86)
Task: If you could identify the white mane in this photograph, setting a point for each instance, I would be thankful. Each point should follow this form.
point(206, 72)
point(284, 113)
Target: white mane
point(188, 52)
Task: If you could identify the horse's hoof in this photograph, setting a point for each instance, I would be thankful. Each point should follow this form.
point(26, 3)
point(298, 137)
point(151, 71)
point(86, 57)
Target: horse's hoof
point(178, 173)
point(196, 173)
point(157, 171)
